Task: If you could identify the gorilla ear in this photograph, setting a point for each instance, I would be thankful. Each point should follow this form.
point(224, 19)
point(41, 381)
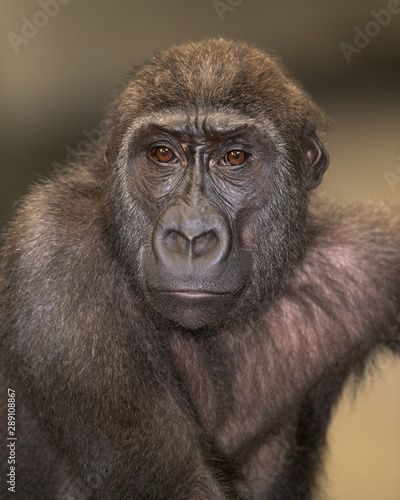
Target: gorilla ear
point(316, 158)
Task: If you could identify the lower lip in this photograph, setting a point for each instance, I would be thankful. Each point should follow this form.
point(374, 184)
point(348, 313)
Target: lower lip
point(196, 295)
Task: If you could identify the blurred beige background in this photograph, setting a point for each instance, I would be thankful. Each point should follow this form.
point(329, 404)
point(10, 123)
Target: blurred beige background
point(54, 83)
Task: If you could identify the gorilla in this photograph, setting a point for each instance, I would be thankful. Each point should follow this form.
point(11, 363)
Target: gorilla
point(178, 314)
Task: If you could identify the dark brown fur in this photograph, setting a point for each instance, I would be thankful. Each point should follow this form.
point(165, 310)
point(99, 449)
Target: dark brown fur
point(114, 401)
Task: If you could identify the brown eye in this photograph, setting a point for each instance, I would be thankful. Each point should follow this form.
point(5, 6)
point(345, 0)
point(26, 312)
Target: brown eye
point(234, 158)
point(164, 155)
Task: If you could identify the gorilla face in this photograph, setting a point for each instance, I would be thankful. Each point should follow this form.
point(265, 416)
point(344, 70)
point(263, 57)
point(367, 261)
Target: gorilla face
point(198, 173)
point(219, 235)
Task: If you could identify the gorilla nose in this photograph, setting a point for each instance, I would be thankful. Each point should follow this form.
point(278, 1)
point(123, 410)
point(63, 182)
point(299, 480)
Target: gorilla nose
point(186, 235)
point(194, 245)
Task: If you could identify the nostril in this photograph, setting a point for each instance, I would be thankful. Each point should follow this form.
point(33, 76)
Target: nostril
point(205, 243)
point(176, 241)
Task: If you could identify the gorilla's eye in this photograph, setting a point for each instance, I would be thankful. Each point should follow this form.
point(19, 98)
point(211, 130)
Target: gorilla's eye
point(234, 158)
point(164, 155)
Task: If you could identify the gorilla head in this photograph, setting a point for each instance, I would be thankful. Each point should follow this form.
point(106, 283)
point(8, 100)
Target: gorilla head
point(214, 165)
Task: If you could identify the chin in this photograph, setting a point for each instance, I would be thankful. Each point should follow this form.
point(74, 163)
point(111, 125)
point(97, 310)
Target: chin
point(193, 310)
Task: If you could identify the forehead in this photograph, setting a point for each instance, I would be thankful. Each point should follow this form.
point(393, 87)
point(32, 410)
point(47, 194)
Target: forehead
point(211, 124)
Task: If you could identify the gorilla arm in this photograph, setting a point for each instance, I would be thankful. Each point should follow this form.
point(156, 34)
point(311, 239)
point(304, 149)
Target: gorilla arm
point(95, 372)
point(346, 295)
point(363, 249)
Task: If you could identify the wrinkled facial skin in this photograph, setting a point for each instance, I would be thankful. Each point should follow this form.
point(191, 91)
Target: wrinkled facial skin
point(197, 178)
point(210, 190)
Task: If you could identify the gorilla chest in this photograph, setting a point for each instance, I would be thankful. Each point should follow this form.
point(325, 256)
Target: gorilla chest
point(242, 400)
point(248, 411)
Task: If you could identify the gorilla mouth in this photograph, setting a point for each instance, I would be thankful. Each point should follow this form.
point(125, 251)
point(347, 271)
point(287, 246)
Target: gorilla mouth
point(195, 293)
point(193, 307)
point(192, 294)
